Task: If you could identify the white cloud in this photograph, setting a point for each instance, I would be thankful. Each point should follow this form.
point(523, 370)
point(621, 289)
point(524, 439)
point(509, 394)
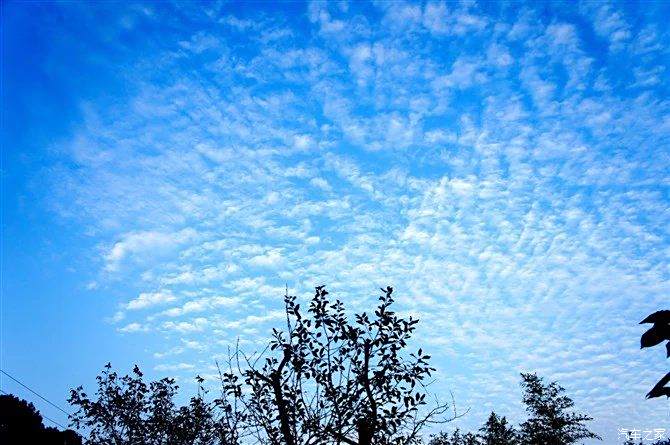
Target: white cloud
point(320, 183)
point(439, 19)
point(464, 73)
point(132, 327)
point(138, 244)
point(174, 367)
point(195, 325)
point(271, 258)
point(202, 304)
point(117, 317)
point(610, 24)
point(149, 299)
point(303, 142)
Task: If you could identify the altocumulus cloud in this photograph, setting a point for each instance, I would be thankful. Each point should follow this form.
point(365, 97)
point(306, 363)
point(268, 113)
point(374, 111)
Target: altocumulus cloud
point(504, 166)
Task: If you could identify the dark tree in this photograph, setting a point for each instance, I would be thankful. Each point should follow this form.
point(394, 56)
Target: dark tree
point(329, 380)
point(21, 423)
point(497, 431)
point(17, 415)
point(325, 380)
point(550, 420)
point(127, 411)
point(456, 438)
point(470, 439)
point(440, 438)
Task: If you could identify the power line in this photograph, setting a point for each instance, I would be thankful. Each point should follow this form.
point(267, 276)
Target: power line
point(54, 422)
point(35, 392)
point(45, 417)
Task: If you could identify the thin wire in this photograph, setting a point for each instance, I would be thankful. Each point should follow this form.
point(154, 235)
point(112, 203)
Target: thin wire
point(34, 392)
point(45, 417)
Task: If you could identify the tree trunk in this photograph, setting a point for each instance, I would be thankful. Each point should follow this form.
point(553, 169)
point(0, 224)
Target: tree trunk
point(285, 424)
point(365, 432)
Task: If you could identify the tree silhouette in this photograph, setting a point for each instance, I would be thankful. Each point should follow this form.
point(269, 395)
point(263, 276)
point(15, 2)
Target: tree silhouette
point(19, 415)
point(331, 380)
point(659, 332)
point(127, 411)
point(324, 380)
point(456, 438)
point(550, 422)
point(21, 423)
point(496, 431)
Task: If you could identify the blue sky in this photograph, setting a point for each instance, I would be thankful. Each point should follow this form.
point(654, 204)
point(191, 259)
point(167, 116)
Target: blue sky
point(168, 169)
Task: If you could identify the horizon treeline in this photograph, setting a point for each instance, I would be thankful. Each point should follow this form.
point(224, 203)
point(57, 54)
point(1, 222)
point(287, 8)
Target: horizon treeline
point(322, 379)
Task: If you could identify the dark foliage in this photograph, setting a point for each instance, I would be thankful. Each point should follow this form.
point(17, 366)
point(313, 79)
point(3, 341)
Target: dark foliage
point(324, 380)
point(658, 333)
point(550, 420)
point(456, 438)
point(127, 411)
point(497, 431)
point(327, 379)
point(21, 423)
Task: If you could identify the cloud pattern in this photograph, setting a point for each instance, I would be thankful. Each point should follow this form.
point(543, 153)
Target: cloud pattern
point(504, 166)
